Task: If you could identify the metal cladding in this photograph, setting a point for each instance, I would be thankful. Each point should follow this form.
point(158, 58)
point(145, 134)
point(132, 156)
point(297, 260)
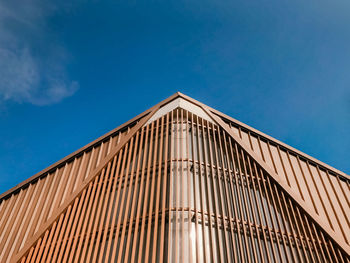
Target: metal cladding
point(180, 184)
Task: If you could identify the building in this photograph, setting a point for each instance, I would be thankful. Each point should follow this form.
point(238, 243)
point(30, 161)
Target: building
point(181, 182)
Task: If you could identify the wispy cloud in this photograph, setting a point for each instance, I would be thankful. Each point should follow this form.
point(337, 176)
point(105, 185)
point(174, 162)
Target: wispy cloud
point(32, 64)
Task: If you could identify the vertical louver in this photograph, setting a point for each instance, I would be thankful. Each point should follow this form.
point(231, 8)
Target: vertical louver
point(180, 188)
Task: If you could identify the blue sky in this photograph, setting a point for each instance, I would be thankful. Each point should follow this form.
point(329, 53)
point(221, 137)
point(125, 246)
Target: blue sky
point(71, 72)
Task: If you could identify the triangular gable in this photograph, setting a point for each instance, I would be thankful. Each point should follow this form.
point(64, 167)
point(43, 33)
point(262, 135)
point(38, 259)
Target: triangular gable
point(177, 101)
point(260, 209)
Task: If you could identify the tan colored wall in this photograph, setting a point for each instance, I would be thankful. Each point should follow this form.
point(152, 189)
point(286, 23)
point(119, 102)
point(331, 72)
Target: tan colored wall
point(327, 192)
point(180, 190)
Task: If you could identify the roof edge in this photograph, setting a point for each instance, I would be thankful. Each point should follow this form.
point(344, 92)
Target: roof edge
point(92, 144)
point(284, 145)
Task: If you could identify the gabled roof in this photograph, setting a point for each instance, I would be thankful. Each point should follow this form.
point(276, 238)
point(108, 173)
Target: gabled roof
point(131, 122)
point(320, 190)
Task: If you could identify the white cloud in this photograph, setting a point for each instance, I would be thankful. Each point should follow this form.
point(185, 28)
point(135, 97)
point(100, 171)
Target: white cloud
point(27, 76)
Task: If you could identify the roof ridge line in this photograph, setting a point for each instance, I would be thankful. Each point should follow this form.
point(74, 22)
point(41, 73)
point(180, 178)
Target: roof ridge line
point(95, 142)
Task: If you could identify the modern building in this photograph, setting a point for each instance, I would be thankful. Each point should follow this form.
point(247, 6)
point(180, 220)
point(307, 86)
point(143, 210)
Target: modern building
point(181, 182)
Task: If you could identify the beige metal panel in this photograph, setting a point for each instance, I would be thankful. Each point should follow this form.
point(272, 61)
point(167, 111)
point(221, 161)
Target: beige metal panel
point(290, 175)
point(81, 169)
point(342, 195)
point(326, 206)
point(277, 158)
point(302, 186)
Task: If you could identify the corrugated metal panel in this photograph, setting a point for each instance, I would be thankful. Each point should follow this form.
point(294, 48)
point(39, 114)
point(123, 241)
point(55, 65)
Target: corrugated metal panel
point(327, 191)
point(182, 190)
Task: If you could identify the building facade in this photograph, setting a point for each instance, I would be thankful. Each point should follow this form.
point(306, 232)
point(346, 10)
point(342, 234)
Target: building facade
point(181, 182)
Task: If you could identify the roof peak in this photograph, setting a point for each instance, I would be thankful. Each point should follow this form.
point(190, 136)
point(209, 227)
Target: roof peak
point(183, 103)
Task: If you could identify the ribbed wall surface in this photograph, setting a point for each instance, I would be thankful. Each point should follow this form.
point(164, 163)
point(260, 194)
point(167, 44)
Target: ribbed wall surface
point(182, 190)
point(23, 212)
point(122, 215)
point(327, 192)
